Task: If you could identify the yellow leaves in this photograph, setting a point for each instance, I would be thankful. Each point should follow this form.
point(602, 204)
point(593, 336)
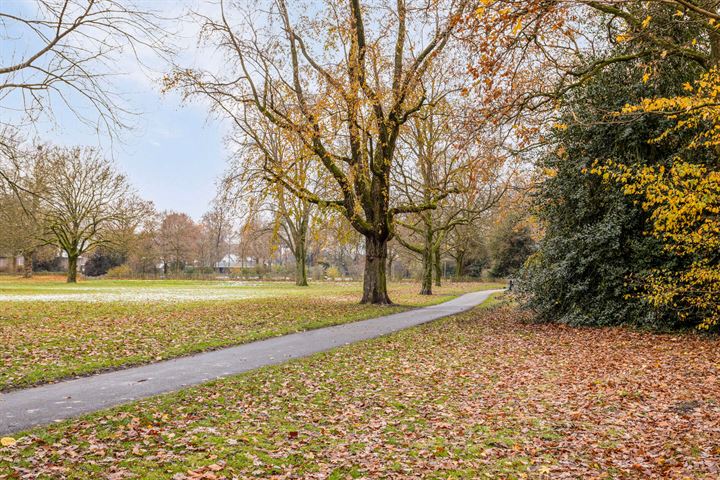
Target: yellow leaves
point(623, 37)
point(7, 441)
point(700, 107)
point(560, 126)
point(517, 27)
point(646, 22)
point(683, 201)
point(646, 77)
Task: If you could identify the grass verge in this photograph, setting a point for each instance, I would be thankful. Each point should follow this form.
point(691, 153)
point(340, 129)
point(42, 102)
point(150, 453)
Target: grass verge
point(480, 395)
point(49, 340)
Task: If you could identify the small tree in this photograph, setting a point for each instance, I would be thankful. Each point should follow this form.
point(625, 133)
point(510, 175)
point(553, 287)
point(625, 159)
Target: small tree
point(256, 183)
point(82, 203)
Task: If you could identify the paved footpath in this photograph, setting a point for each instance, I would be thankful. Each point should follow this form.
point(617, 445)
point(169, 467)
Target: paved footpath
point(22, 409)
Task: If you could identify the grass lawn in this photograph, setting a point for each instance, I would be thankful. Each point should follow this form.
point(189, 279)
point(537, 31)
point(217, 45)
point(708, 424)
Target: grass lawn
point(50, 330)
point(480, 395)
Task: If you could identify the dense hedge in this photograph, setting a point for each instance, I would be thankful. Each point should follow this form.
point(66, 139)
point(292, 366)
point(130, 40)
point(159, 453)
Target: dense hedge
point(594, 251)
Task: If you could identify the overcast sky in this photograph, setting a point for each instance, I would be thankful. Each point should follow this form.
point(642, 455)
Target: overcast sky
point(174, 153)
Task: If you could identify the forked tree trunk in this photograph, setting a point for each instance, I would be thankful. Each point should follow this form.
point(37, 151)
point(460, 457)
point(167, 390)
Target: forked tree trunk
point(374, 279)
point(27, 265)
point(72, 269)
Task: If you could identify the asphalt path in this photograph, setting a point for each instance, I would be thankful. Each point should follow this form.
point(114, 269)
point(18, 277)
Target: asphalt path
point(23, 409)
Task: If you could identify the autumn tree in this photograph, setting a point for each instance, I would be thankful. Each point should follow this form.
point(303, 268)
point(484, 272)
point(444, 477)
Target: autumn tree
point(354, 77)
point(683, 200)
point(216, 228)
point(266, 160)
point(466, 246)
point(83, 202)
point(178, 238)
point(442, 157)
point(20, 232)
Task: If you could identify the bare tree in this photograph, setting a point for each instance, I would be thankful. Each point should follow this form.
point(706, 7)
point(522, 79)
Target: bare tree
point(443, 156)
point(216, 234)
point(252, 183)
point(344, 85)
point(62, 51)
point(83, 203)
point(178, 238)
point(20, 232)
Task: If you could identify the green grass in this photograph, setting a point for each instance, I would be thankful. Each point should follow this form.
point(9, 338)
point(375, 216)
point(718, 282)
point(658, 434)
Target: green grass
point(112, 324)
point(463, 397)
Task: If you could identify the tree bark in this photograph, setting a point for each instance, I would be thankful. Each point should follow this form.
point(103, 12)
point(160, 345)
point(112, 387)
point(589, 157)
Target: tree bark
point(27, 265)
point(374, 279)
point(72, 269)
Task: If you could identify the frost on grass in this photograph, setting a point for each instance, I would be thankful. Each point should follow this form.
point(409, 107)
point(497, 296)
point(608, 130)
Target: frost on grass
point(93, 294)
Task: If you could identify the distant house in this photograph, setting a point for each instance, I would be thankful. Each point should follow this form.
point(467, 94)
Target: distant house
point(11, 264)
point(232, 261)
point(81, 261)
point(56, 263)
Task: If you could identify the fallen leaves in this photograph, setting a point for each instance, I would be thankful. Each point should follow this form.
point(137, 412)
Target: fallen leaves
point(46, 341)
point(482, 395)
point(7, 441)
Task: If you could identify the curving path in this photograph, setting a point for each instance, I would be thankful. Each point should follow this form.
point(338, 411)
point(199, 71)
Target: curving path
point(22, 409)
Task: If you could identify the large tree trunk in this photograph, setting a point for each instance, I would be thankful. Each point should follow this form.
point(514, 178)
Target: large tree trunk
point(374, 279)
point(300, 267)
point(27, 265)
point(438, 268)
point(72, 269)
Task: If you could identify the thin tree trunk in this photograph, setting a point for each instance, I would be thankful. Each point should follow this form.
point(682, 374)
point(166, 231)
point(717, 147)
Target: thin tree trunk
point(27, 265)
point(438, 269)
point(460, 265)
point(390, 267)
point(427, 264)
point(374, 279)
point(72, 269)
